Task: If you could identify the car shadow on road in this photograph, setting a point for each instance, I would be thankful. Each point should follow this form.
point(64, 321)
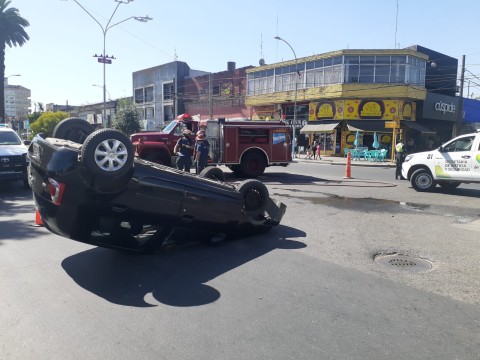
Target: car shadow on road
point(278, 177)
point(174, 277)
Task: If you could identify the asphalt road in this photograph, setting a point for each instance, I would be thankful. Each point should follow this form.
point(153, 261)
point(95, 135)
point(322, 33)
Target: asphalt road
point(309, 289)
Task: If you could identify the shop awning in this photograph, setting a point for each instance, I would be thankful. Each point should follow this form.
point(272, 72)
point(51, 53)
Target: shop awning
point(414, 126)
point(314, 128)
point(368, 126)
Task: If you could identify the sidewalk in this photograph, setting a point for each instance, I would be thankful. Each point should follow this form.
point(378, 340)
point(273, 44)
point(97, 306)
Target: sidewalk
point(340, 160)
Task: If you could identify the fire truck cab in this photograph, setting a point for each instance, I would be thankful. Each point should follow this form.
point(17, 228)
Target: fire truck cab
point(246, 147)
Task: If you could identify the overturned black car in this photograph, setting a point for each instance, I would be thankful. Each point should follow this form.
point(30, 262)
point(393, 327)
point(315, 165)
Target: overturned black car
point(88, 186)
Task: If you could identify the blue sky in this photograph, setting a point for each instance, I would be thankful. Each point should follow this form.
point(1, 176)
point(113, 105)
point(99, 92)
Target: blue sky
point(57, 64)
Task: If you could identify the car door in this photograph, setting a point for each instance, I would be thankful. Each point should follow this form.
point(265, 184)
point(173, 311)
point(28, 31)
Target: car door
point(454, 159)
point(476, 160)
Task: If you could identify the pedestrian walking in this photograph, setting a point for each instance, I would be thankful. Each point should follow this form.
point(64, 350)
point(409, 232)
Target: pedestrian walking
point(399, 158)
point(318, 152)
point(309, 152)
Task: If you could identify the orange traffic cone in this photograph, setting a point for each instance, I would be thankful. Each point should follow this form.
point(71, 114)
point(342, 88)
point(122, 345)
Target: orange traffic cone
point(38, 219)
point(348, 168)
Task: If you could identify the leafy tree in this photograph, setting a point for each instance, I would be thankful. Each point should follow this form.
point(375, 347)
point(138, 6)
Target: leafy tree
point(127, 119)
point(47, 122)
point(12, 33)
point(36, 114)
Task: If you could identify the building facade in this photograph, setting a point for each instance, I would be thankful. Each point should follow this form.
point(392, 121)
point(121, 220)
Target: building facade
point(17, 104)
point(218, 95)
point(158, 92)
point(353, 96)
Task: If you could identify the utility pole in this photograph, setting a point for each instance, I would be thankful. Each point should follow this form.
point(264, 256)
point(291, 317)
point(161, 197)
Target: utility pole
point(458, 121)
point(210, 97)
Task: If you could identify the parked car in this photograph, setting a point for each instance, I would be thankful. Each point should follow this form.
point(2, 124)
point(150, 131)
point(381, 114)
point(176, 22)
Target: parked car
point(13, 156)
point(455, 162)
point(95, 191)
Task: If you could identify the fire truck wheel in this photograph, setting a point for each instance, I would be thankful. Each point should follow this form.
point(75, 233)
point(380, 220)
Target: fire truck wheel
point(108, 153)
point(213, 173)
point(255, 197)
point(252, 165)
point(73, 129)
point(159, 158)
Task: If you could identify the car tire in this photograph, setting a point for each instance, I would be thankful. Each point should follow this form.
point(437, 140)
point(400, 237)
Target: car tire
point(422, 180)
point(255, 197)
point(159, 158)
point(73, 129)
point(448, 186)
point(252, 164)
point(107, 153)
point(213, 173)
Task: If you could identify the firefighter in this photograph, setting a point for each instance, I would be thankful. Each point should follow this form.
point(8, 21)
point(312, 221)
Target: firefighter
point(202, 148)
point(183, 149)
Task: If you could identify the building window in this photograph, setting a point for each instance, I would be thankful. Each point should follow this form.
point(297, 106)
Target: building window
point(139, 99)
point(149, 94)
point(168, 90)
point(396, 69)
point(216, 90)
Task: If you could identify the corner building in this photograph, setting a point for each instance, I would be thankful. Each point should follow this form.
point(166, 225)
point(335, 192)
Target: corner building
point(344, 95)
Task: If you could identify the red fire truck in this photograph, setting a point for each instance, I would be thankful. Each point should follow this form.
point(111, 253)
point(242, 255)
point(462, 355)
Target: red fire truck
point(246, 147)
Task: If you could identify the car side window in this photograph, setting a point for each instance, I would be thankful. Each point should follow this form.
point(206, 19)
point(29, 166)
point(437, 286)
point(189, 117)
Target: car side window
point(462, 144)
point(178, 130)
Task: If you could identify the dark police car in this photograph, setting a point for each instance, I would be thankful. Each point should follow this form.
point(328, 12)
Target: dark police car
point(95, 191)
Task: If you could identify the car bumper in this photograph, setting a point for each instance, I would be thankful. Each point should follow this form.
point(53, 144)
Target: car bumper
point(405, 169)
point(13, 175)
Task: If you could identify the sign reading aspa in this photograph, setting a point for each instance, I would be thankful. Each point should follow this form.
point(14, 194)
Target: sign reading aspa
point(444, 107)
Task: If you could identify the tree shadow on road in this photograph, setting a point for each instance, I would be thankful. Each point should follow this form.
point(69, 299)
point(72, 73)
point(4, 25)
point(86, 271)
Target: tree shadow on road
point(174, 277)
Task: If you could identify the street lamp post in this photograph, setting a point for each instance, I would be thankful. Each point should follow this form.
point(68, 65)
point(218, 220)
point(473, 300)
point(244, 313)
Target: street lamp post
point(101, 87)
point(296, 90)
point(103, 58)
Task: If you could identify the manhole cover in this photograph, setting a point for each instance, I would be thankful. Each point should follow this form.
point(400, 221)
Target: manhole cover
point(403, 262)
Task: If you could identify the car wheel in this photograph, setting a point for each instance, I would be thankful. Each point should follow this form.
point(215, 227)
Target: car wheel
point(422, 180)
point(448, 186)
point(73, 129)
point(255, 197)
point(107, 153)
point(252, 165)
point(159, 158)
point(213, 173)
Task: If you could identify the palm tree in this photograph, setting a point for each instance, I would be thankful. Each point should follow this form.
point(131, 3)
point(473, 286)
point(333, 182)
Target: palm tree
point(12, 32)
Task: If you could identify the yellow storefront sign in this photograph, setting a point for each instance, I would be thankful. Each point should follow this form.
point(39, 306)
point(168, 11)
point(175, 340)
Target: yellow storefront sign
point(391, 125)
point(357, 109)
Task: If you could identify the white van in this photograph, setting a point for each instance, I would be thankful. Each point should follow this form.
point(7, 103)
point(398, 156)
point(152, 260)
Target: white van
point(455, 162)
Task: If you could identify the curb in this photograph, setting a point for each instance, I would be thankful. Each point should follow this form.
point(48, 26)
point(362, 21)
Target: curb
point(344, 163)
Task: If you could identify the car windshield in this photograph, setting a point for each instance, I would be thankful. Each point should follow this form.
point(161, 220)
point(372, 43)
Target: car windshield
point(9, 138)
point(169, 128)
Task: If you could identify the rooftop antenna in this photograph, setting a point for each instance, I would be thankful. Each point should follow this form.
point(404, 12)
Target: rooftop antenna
point(262, 60)
point(396, 26)
point(175, 56)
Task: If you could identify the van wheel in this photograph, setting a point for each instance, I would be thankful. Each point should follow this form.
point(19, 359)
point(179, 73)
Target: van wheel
point(213, 173)
point(108, 153)
point(73, 129)
point(255, 197)
point(422, 180)
point(252, 165)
